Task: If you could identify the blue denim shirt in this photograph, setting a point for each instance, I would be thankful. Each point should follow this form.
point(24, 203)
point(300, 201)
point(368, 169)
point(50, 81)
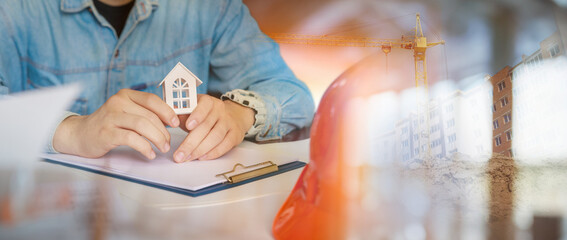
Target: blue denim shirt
point(49, 43)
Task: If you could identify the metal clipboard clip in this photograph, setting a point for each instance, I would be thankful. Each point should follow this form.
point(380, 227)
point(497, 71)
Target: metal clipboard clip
point(270, 167)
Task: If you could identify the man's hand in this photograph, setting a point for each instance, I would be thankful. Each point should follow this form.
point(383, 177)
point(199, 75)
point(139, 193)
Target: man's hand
point(127, 118)
point(214, 128)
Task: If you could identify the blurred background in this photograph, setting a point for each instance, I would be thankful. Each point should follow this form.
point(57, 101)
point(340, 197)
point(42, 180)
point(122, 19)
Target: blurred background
point(481, 37)
point(482, 153)
point(479, 151)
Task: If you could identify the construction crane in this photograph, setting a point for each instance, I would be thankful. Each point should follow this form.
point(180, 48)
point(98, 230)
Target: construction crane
point(417, 43)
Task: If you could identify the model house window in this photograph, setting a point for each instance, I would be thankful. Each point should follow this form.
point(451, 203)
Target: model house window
point(180, 90)
point(498, 141)
point(507, 117)
point(495, 124)
point(504, 101)
point(501, 86)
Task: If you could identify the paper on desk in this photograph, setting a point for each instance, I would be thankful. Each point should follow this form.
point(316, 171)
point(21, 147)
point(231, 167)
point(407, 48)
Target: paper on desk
point(193, 175)
point(27, 119)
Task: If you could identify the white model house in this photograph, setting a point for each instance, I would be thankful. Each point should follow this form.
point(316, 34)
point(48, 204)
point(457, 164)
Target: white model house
point(180, 89)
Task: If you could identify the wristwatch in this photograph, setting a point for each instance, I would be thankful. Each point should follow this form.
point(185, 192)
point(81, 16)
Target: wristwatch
point(252, 100)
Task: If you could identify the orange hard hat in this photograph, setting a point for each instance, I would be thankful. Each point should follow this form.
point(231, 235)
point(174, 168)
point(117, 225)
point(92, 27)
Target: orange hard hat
point(318, 206)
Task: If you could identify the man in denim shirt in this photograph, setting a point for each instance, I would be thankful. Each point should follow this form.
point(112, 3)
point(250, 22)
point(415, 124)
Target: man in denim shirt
point(120, 58)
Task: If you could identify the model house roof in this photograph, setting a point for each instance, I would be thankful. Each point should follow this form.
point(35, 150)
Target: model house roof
point(182, 68)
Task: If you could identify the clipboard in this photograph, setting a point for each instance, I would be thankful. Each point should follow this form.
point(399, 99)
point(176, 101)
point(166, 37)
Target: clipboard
point(245, 163)
point(232, 180)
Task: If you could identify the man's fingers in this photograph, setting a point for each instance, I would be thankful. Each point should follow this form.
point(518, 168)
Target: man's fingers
point(193, 139)
point(203, 109)
point(153, 118)
point(145, 128)
point(227, 143)
point(123, 137)
point(215, 136)
point(153, 103)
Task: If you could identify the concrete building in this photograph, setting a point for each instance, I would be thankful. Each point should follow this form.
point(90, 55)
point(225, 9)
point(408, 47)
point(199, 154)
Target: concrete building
point(523, 96)
point(502, 112)
point(517, 110)
point(456, 123)
point(538, 90)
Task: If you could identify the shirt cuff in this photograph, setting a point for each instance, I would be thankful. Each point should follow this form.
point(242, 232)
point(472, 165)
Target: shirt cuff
point(252, 100)
point(67, 114)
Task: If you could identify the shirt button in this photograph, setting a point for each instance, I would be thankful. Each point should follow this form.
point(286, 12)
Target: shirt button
point(117, 53)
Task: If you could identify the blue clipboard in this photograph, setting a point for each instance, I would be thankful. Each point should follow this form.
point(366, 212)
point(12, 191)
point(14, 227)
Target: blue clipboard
point(211, 189)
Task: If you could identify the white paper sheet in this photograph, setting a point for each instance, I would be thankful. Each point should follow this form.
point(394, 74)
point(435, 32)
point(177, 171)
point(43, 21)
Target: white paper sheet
point(26, 120)
point(193, 175)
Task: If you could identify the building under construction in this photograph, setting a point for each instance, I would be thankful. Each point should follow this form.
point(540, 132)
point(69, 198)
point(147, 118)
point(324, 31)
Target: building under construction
point(522, 82)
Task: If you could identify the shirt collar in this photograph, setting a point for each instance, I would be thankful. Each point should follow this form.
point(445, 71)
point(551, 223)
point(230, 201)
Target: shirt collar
point(143, 8)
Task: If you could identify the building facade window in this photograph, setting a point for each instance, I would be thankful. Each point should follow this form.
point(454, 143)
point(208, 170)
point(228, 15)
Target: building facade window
point(452, 138)
point(535, 61)
point(504, 101)
point(554, 51)
point(449, 108)
point(507, 117)
point(435, 127)
point(451, 123)
point(493, 107)
point(495, 124)
point(436, 142)
point(497, 141)
point(432, 114)
point(509, 135)
point(501, 86)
